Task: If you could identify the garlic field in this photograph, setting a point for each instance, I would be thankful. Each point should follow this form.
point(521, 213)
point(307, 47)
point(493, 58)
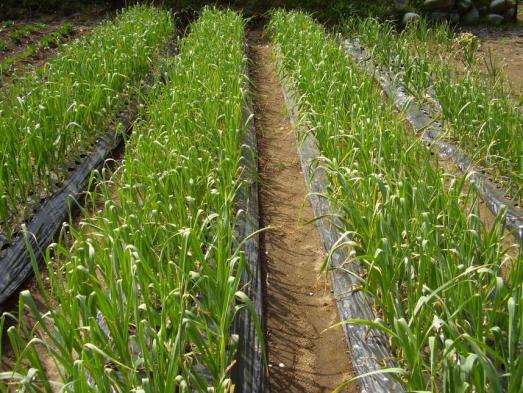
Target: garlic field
point(154, 237)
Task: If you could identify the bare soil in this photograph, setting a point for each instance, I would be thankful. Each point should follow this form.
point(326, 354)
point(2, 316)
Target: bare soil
point(299, 303)
point(82, 24)
point(505, 45)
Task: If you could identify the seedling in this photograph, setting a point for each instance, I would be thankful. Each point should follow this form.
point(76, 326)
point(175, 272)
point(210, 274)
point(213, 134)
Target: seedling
point(48, 41)
point(30, 51)
point(18, 35)
point(65, 30)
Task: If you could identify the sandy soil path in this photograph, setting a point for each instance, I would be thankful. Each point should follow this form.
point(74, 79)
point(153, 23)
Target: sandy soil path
point(299, 304)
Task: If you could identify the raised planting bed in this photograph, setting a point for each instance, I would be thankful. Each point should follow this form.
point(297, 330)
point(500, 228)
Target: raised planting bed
point(431, 268)
point(45, 220)
point(471, 97)
point(150, 291)
point(432, 132)
point(57, 113)
point(14, 55)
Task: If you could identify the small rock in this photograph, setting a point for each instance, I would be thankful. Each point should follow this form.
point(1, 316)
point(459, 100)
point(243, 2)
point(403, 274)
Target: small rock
point(311, 294)
point(499, 6)
point(281, 365)
point(410, 17)
point(495, 19)
point(464, 5)
point(438, 4)
point(471, 17)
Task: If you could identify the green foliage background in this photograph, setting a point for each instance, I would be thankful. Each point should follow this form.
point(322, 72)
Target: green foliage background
point(325, 10)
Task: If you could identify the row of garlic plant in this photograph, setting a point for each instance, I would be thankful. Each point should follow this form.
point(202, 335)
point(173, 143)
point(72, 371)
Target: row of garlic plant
point(51, 117)
point(434, 270)
point(477, 107)
point(145, 298)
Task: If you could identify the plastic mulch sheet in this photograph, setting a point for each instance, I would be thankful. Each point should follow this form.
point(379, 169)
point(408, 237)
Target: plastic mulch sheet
point(368, 347)
point(432, 133)
point(15, 264)
point(250, 372)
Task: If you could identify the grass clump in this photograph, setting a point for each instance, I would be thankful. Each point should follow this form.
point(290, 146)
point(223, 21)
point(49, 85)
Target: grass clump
point(433, 268)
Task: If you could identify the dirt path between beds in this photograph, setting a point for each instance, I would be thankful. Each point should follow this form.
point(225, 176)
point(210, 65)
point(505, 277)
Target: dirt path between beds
point(299, 305)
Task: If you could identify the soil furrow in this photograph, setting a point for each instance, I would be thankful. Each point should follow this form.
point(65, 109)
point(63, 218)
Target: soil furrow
point(299, 303)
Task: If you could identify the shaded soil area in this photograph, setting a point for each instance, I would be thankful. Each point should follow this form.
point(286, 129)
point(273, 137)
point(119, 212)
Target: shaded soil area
point(299, 303)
